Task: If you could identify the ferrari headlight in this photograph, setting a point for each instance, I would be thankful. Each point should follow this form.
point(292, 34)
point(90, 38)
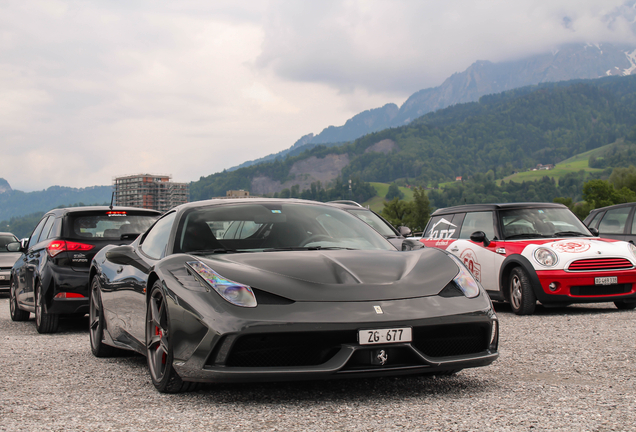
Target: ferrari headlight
point(632, 248)
point(546, 257)
point(234, 292)
point(465, 280)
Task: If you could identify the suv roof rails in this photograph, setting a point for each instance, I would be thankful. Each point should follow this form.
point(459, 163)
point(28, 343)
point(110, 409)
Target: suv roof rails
point(350, 202)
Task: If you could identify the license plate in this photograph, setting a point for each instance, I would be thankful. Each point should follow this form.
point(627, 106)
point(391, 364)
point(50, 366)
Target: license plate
point(383, 336)
point(3, 277)
point(606, 280)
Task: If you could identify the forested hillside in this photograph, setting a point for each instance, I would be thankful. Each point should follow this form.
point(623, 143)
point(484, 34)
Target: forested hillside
point(502, 133)
point(18, 203)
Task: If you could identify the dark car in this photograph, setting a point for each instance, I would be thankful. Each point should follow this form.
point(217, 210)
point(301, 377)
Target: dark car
point(615, 222)
point(7, 259)
point(51, 276)
point(397, 236)
point(524, 252)
point(273, 289)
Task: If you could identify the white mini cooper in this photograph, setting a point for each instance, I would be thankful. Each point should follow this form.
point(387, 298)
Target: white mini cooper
point(524, 252)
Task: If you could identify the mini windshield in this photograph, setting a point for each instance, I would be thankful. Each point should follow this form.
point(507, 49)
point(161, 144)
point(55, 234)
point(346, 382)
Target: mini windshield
point(274, 226)
point(541, 223)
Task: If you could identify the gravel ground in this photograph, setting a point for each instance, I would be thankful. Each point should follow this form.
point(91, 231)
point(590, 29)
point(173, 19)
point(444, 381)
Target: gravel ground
point(560, 369)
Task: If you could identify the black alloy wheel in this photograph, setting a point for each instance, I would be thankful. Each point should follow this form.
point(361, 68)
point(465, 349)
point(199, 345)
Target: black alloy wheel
point(44, 322)
point(96, 320)
point(17, 314)
point(159, 350)
point(522, 298)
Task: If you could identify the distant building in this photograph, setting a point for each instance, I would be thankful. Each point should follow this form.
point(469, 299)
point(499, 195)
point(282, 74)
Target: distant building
point(544, 167)
point(237, 194)
point(458, 178)
point(150, 191)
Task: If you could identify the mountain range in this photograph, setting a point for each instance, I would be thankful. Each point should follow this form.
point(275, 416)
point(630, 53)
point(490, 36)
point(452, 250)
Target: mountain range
point(579, 61)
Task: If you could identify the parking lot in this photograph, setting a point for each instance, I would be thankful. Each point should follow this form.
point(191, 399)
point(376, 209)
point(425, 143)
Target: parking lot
point(561, 369)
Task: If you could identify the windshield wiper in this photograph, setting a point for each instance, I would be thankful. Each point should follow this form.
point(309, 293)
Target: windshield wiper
point(527, 235)
point(309, 248)
point(569, 234)
point(212, 251)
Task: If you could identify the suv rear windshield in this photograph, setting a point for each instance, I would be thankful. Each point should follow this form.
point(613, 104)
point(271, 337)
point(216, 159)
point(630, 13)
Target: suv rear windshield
point(108, 225)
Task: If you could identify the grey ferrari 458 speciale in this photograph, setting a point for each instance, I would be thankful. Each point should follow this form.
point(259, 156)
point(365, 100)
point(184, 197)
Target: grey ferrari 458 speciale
point(263, 289)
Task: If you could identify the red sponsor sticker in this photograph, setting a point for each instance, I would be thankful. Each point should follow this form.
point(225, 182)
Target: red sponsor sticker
point(569, 246)
point(469, 259)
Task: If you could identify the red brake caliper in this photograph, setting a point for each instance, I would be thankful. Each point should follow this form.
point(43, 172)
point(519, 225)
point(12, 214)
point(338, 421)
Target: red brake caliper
point(159, 333)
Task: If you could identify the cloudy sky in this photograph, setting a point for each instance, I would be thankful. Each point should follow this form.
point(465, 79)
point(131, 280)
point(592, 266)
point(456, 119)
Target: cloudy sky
point(90, 90)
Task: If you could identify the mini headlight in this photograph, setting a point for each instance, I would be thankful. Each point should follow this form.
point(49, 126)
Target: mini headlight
point(546, 257)
point(465, 280)
point(235, 293)
point(632, 248)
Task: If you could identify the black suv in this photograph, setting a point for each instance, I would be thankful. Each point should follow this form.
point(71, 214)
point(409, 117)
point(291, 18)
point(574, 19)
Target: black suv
point(51, 276)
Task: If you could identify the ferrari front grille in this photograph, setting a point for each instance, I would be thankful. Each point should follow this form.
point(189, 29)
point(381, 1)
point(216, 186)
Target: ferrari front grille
point(595, 264)
point(287, 349)
point(452, 340)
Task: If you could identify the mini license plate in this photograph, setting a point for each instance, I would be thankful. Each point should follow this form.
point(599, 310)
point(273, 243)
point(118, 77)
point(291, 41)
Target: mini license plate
point(383, 336)
point(3, 277)
point(609, 280)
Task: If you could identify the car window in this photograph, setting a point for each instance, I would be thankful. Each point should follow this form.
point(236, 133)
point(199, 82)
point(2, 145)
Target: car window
point(5, 240)
point(537, 222)
point(109, 224)
point(444, 227)
point(478, 221)
point(155, 242)
point(273, 226)
point(36, 232)
point(56, 230)
point(47, 229)
point(614, 221)
point(374, 220)
point(595, 219)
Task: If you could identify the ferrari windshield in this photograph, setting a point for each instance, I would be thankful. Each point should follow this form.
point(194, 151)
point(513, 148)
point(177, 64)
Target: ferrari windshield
point(274, 226)
point(541, 222)
point(374, 220)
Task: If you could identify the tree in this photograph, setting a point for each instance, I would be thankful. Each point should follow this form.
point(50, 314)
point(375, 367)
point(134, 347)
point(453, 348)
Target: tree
point(398, 212)
point(421, 210)
point(394, 192)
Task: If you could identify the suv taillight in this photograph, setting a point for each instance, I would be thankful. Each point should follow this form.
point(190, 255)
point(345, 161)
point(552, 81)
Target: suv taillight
point(57, 246)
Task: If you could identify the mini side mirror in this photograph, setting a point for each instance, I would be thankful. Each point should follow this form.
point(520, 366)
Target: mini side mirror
point(480, 237)
point(14, 247)
point(594, 232)
point(404, 231)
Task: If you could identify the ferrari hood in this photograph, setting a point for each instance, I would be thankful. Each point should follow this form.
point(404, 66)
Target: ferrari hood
point(339, 275)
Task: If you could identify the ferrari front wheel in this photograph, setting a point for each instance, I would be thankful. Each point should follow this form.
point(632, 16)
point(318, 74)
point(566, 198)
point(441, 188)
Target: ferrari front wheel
point(522, 298)
point(159, 351)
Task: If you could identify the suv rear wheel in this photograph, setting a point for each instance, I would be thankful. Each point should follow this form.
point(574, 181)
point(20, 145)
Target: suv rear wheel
point(44, 322)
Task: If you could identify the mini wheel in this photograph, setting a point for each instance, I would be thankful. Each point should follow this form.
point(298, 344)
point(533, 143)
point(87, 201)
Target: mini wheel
point(522, 298)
